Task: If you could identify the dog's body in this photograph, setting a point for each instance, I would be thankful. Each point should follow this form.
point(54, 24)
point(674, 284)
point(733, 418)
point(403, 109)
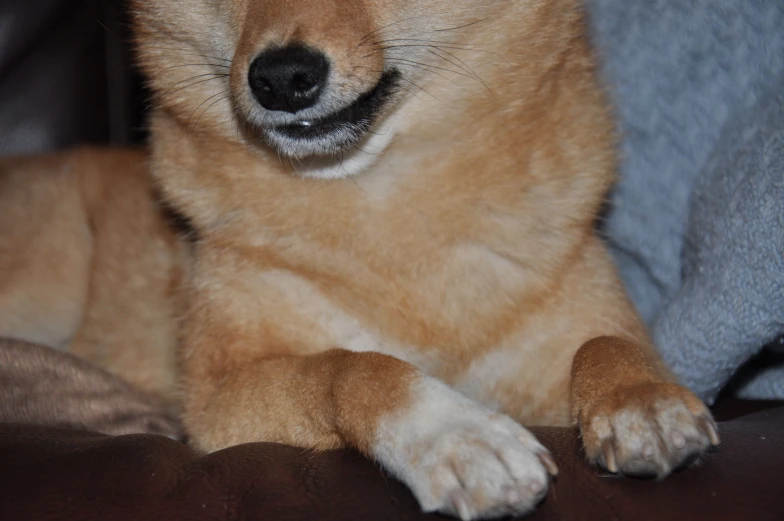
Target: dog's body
point(89, 262)
point(348, 265)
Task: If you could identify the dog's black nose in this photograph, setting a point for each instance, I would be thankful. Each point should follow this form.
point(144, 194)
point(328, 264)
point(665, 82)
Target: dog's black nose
point(288, 78)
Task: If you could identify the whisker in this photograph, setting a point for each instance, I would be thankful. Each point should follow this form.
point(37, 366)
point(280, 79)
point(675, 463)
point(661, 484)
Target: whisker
point(108, 30)
point(224, 98)
point(439, 56)
point(410, 92)
point(461, 26)
point(366, 152)
point(469, 70)
point(343, 167)
point(291, 162)
point(363, 40)
point(426, 70)
point(280, 158)
point(350, 177)
point(420, 64)
point(200, 105)
point(420, 88)
point(188, 51)
point(217, 74)
point(192, 65)
point(429, 43)
point(377, 133)
point(168, 94)
point(368, 35)
point(406, 80)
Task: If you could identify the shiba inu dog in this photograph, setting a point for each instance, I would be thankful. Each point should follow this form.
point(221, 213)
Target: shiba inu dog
point(395, 203)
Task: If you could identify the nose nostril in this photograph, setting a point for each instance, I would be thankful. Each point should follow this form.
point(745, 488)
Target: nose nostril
point(301, 83)
point(289, 78)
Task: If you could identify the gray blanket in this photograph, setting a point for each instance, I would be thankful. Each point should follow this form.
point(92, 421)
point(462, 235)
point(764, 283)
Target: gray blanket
point(696, 221)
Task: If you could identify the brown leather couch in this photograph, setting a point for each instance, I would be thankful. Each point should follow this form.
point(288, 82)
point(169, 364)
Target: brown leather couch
point(64, 79)
point(52, 474)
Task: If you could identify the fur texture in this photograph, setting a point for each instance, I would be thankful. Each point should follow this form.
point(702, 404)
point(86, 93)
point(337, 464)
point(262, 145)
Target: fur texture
point(89, 263)
point(323, 313)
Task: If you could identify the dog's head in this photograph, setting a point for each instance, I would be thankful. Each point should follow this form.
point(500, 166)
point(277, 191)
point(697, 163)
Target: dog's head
point(308, 78)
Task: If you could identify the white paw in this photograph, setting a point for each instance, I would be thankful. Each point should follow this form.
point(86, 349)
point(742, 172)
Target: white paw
point(648, 430)
point(461, 458)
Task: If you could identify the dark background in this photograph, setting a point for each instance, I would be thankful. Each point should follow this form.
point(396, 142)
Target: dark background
point(66, 76)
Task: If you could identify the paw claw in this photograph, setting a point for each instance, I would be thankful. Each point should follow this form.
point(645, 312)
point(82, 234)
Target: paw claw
point(463, 459)
point(548, 462)
point(609, 456)
point(710, 429)
point(648, 430)
point(460, 505)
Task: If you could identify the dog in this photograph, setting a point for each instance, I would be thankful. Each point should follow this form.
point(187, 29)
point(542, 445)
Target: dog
point(394, 207)
point(91, 263)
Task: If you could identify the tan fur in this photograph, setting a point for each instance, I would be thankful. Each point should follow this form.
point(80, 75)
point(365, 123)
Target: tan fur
point(88, 262)
point(465, 249)
point(488, 246)
point(516, 212)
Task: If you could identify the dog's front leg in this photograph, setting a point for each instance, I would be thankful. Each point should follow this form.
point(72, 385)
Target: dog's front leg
point(632, 416)
point(456, 456)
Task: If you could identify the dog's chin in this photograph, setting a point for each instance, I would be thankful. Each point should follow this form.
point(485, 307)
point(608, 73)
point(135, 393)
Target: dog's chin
point(326, 142)
point(338, 132)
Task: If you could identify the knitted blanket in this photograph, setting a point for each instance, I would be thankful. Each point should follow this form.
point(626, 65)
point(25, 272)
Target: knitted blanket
point(697, 220)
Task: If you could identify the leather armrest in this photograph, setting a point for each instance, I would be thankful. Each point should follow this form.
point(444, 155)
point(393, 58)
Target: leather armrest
point(49, 474)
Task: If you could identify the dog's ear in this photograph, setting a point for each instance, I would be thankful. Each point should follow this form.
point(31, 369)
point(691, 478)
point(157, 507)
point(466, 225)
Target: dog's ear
point(42, 386)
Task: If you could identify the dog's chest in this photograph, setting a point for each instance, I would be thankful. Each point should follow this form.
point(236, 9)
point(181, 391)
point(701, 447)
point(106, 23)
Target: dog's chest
point(503, 373)
point(416, 281)
point(440, 311)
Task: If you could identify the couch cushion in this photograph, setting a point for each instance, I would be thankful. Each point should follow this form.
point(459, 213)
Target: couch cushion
point(49, 474)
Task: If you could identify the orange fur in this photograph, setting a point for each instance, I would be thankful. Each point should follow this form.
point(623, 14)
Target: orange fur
point(88, 262)
point(463, 248)
point(445, 260)
point(394, 248)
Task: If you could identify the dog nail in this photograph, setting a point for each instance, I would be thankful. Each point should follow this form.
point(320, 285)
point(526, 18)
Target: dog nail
point(549, 463)
point(710, 429)
point(461, 506)
point(609, 456)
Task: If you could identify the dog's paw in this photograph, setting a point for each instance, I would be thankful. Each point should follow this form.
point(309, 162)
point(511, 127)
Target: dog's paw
point(647, 430)
point(463, 459)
